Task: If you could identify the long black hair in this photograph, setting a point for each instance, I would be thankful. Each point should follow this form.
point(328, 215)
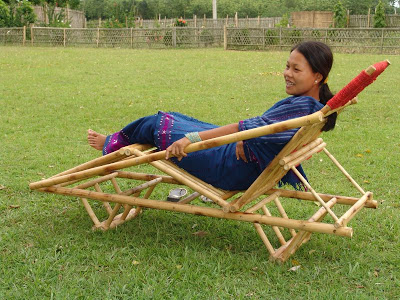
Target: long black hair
point(320, 58)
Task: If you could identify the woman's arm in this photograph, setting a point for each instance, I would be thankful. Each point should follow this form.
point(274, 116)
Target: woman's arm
point(177, 148)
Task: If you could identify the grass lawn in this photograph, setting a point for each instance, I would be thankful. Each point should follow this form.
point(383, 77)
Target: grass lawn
point(49, 97)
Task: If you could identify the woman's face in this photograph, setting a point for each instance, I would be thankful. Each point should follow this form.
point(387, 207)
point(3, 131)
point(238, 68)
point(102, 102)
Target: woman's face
point(300, 78)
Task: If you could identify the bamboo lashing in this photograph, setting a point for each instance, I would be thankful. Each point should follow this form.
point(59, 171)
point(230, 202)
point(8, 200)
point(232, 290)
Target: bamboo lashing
point(204, 211)
point(215, 142)
point(355, 184)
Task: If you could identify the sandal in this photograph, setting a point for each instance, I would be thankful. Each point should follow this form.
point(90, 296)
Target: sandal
point(176, 194)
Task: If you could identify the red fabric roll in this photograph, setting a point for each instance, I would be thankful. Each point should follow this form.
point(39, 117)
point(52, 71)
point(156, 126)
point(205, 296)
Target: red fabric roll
point(354, 87)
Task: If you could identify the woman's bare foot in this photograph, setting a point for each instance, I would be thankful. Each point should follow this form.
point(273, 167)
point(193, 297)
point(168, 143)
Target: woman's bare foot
point(96, 140)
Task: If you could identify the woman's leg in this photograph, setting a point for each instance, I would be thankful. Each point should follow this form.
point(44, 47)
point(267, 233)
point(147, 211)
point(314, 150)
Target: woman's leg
point(139, 131)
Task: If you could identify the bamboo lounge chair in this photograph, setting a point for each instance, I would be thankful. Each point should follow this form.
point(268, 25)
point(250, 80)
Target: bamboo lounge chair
point(254, 205)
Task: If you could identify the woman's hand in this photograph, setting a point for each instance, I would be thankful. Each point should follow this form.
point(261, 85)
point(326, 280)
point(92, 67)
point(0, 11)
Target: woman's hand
point(177, 149)
point(240, 151)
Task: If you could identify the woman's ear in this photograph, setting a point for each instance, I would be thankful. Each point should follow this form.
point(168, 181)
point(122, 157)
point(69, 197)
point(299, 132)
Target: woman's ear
point(318, 77)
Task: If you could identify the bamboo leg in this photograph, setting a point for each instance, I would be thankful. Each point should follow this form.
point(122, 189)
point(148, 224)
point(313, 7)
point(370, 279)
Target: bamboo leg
point(326, 197)
point(263, 202)
point(352, 211)
point(284, 252)
point(105, 203)
point(283, 214)
point(90, 211)
point(344, 171)
point(274, 228)
point(264, 238)
point(189, 198)
point(205, 211)
point(304, 181)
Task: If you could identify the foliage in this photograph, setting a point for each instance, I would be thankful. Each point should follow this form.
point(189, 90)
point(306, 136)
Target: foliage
point(339, 15)
point(17, 14)
point(206, 36)
point(113, 23)
point(149, 9)
point(379, 17)
point(271, 37)
point(284, 21)
point(180, 23)
point(5, 18)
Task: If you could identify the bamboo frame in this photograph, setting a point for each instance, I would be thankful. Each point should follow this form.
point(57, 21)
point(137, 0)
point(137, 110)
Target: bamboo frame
point(305, 143)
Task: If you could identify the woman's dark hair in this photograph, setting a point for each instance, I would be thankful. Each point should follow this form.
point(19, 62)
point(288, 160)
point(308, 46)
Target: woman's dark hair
point(320, 58)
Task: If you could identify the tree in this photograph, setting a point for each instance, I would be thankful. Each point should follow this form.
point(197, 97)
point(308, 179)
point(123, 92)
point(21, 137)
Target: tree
point(5, 17)
point(379, 17)
point(339, 15)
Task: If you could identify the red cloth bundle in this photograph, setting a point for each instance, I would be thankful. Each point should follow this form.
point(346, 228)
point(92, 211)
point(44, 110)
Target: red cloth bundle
point(354, 87)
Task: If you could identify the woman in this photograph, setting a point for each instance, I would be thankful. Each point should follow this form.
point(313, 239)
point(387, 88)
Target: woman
point(235, 166)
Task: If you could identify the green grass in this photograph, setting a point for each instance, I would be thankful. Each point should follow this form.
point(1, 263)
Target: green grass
point(50, 96)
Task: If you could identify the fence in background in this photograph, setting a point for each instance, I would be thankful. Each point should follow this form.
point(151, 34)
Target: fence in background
point(107, 37)
point(341, 40)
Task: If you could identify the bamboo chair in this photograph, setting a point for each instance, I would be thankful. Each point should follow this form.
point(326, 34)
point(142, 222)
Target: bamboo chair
point(255, 205)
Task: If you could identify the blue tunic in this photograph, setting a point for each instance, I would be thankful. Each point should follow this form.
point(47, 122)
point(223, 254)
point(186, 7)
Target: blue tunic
point(219, 166)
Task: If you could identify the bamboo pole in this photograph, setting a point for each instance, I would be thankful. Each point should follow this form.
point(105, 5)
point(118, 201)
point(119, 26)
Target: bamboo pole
point(283, 214)
point(189, 198)
point(106, 159)
point(276, 229)
point(304, 156)
point(352, 211)
point(24, 36)
point(146, 177)
point(308, 196)
point(263, 202)
point(90, 212)
point(172, 169)
point(300, 238)
point(333, 159)
point(225, 38)
point(303, 150)
point(215, 142)
point(205, 211)
point(96, 181)
point(141, 187)
point(193, 178)
point(32, 35)
point(105, 203)
point(322, 202)
point(272, 174)
point(264, 238)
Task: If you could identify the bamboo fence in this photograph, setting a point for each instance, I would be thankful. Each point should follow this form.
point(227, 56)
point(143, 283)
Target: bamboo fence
point(385, 40)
